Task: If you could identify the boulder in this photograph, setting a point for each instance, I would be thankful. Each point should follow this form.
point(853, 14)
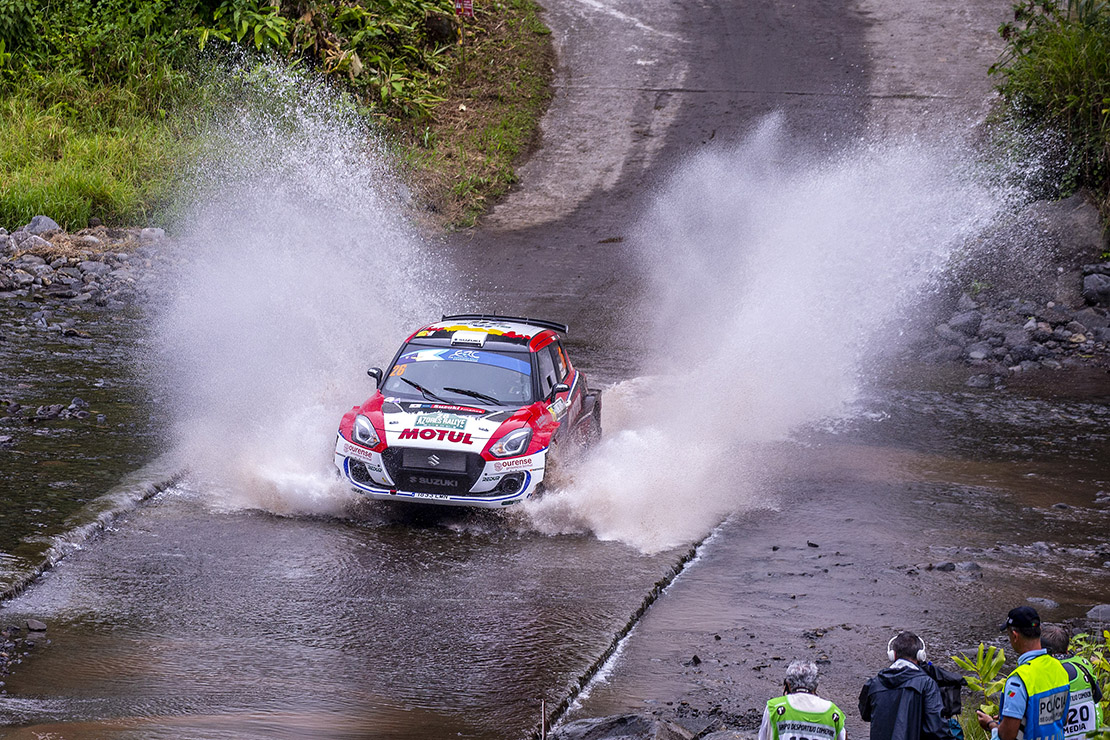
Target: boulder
point(1100, 612)
point(152, 235)
point(41, 225)
point(34, 625)
point(1096, 289)
point(94, 268)
point(966, 323)
point(619, 727)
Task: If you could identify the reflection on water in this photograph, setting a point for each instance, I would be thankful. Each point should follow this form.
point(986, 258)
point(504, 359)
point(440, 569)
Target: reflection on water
point(190, 623)
point(53, 467)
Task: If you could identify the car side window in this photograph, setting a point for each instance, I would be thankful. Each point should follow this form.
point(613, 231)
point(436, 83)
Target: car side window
point(547, 372)
point(560, 361)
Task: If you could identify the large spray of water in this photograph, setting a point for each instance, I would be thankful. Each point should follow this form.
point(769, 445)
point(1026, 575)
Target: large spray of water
point(778, 278)
point(297, 273)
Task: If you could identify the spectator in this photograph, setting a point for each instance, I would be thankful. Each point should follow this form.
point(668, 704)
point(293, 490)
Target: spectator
point(1085, 711)
point(800, 714)
point(1034, 702)
point(902, 702)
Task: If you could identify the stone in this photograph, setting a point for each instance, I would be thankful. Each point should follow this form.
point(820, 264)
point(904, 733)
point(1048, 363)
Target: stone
point(1024, 352)
point(948, 334)
point(90, 267)
point(1100, 612)
point(1093, 318)
point(979, 351)
point(966, 323)
point(980, 381)
point(1042, 602)
point(619, 727)
point(152, 235)
point(94, 222)
point(34, 625)
point(35, 242)
point(1096, 289)
point(1101, 269)
point(5, 440)
point(42, 224)
point(49, 412)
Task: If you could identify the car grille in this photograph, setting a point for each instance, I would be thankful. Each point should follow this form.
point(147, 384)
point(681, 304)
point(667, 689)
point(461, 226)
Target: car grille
point(433, 471)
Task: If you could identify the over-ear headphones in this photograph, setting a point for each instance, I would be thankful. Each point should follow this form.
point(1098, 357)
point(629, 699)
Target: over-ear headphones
point(922, 656)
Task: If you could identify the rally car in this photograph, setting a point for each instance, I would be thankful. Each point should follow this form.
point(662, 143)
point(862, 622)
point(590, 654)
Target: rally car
point(473, 410)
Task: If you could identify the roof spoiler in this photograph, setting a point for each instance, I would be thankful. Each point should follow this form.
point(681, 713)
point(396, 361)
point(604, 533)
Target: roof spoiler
point(518, 319)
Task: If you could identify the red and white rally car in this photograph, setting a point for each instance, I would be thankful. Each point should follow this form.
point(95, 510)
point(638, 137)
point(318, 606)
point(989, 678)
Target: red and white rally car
point(471, 412)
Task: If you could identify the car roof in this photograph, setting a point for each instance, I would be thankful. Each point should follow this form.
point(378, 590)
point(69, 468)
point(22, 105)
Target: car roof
point(488, 330)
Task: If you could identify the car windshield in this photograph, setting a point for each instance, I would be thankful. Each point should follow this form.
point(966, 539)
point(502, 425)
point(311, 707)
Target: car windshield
point(449, 374)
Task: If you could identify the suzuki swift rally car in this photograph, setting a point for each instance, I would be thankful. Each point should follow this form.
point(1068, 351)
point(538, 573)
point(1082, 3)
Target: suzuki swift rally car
point(473, 411)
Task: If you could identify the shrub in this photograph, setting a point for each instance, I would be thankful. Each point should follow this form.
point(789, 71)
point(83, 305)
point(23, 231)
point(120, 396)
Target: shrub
point(1055, 73)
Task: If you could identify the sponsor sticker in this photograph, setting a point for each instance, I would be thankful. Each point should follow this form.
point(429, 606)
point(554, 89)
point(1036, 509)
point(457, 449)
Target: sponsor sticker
point(437, 434)
point(436, 496)
point(466, 355)
point(447, 407)
point(351, 450)
point(520, 462)
point(440, 420)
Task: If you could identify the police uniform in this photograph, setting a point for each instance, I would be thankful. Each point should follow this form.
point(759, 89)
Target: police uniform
point(1085, 711)
point(802, 716)
point(1038, 694)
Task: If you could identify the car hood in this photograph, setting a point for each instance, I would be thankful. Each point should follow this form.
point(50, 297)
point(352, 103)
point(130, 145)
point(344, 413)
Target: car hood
point(439, 426)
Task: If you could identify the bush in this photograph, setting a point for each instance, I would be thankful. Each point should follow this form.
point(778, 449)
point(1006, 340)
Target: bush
point(1055, 73)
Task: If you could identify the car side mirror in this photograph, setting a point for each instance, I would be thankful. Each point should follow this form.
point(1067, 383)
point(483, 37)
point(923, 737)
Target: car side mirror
point(560, 388)
point(376, 374)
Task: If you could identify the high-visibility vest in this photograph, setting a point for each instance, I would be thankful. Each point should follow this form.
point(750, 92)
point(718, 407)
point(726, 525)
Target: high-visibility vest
point(1046, 684)
point(1084, 713)
point(788, 723)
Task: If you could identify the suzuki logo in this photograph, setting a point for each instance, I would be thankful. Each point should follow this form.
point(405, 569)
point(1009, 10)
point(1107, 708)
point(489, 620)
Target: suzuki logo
point(433, 460)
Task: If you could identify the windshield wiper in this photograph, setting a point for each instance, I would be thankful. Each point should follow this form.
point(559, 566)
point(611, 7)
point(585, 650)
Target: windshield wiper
point(427, 393)
point(473, 394)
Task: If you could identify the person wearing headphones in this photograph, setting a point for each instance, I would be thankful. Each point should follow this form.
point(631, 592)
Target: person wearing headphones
point(800, 714)
point(1085, 710)
point(1036, 697)
point(903, 702)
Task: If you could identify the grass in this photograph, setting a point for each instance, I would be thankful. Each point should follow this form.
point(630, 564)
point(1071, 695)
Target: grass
point(1055, 74)
point(498, 86)
point(71, 168)
point(95, 108)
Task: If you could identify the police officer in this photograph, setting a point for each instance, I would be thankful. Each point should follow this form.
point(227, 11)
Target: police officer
point(1085, 711)
point(800, 714)
point(1034, 702)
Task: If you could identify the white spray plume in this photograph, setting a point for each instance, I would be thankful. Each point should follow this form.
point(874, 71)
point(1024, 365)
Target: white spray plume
point(298, 272)
point(774, 274)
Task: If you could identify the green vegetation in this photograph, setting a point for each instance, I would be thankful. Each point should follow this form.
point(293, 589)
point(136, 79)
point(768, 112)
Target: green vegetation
point(100, 99)
point(1055, 73)
point(988, 677)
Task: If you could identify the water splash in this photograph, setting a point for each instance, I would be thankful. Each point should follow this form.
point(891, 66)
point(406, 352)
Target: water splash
point(778, 279)
point(298, 273)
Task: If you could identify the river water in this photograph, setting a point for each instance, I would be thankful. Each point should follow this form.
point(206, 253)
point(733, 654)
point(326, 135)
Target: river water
point(732, 321)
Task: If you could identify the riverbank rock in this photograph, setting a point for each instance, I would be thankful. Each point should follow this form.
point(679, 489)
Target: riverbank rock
point(98, 266)
point(623, 727)
point(1040, 300)
point(1100, 612)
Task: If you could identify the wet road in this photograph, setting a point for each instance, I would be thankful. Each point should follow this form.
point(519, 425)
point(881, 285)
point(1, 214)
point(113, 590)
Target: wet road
point(192, 618)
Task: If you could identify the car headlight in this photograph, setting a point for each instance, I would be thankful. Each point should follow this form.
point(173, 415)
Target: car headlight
point(512, 444)
point(363, 432)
